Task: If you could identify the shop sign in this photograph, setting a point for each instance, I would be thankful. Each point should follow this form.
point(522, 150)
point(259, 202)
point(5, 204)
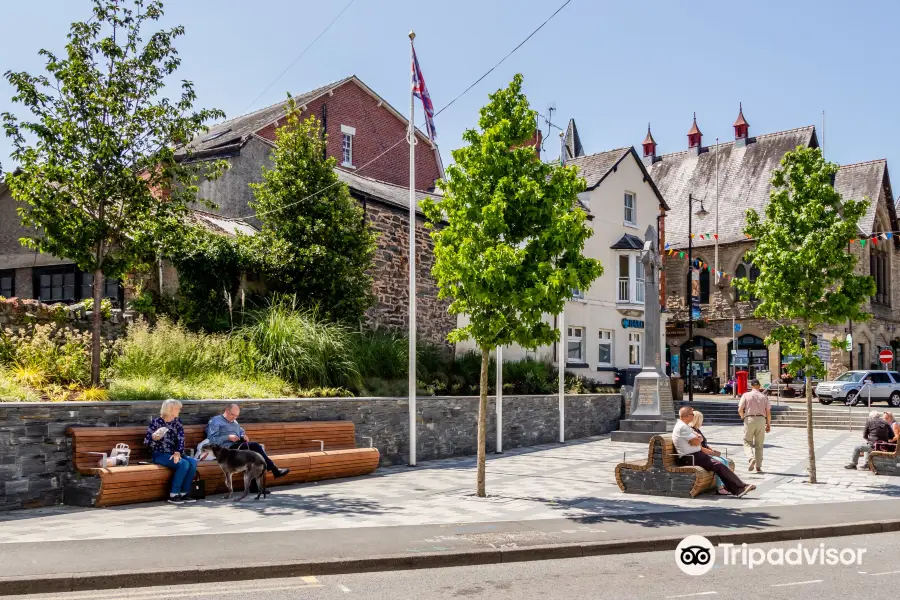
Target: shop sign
point(632, 323)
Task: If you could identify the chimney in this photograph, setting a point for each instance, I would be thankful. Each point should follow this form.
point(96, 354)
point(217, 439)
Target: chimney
point(695, 138)
point(741, 129)
point(649, 145)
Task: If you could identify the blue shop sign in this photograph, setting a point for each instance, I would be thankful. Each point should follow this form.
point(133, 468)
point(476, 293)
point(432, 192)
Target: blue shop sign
point(632, 323)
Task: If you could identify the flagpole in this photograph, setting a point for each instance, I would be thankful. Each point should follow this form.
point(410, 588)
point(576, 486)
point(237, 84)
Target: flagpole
point(412, 255)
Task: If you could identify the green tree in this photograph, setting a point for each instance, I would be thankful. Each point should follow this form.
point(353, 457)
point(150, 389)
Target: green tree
point(508, 237)
point(314, 241)
point(99, 152)
point(806, 274)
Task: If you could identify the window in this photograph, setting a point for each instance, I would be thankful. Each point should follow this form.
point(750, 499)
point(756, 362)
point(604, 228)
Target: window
point(747, 270)
point(860, 356)
point(880, 377)
point(347, 134)
point(110, 286)
point(634, 349)
point(7, 284)
point(624, 278)
point(575, 345)
point(577, 295)
point(605, 357)
point(704, 286)
point(630, 209)
point(67, 284)
point(879, 269)
point(638, 281)
point(57, 285)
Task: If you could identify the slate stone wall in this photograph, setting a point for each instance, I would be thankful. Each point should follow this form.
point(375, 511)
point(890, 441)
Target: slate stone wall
point(35, 454)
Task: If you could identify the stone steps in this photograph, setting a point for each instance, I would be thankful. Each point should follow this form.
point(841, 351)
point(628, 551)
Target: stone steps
point(716, 413)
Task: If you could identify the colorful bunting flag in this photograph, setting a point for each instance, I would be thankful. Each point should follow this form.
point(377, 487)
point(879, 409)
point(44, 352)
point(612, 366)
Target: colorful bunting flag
point(681, 255)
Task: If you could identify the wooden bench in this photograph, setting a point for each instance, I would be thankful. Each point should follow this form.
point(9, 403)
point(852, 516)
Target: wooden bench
point(313, 450)
point(885, 463)
point(661, 475)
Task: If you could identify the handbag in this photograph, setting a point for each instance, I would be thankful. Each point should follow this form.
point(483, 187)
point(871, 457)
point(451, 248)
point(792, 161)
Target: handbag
point(198, 489)
point(118, 457)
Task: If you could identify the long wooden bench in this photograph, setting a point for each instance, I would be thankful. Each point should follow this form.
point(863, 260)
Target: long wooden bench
point(661, 475)
point(885, 463)
point(313, 450)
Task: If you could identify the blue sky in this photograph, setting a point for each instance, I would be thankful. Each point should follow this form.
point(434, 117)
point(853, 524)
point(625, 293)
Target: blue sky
point(613, 66)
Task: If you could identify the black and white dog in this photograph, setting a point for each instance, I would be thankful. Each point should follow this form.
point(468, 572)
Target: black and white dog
point(250, 463)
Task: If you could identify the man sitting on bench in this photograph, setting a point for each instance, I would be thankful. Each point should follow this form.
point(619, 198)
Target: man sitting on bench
point(688, 446)
point(223, 430)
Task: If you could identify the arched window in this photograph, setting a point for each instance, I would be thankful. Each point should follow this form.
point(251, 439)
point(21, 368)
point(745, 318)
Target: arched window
point(746, 270)
point(880, 268)
point(704, 285)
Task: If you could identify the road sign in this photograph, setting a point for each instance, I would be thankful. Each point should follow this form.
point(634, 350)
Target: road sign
point(738, 327)
point(886, 356)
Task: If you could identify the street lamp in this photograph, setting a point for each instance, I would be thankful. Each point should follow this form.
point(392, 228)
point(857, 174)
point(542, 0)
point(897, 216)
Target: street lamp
point(690, 364)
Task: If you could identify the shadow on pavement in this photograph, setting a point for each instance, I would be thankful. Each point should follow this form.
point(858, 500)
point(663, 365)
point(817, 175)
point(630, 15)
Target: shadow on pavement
point(307, 505)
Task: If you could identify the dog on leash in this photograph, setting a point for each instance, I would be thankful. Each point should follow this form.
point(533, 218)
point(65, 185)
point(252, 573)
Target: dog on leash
point(250, 463)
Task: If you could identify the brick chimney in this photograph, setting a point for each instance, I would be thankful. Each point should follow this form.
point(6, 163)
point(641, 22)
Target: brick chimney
point(649, 145)
point(535, 142)
point(741, 129)
point(695, 138)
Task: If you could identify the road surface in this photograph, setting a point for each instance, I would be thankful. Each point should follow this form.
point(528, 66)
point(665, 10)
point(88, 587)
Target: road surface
point(639, 576)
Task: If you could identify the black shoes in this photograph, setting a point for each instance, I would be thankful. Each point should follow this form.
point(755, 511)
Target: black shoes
point(280, 472)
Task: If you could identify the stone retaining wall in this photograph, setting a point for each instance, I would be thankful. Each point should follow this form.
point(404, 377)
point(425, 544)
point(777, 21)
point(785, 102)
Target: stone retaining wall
point(35, 454)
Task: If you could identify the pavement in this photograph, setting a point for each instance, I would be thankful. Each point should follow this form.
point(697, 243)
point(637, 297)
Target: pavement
point(544, 497)
point(649, 575)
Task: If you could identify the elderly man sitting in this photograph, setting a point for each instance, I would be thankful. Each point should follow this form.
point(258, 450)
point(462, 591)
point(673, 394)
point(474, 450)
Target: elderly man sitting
point(223, 430)
point(688, 445)
point(877, 430)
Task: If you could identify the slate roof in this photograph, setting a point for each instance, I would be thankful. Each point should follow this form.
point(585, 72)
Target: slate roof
point(868, 180)
point(222, 225)
point(595, 167)
point(239, 129)
point(628, 242)
point(382, 191)
point(744, 176)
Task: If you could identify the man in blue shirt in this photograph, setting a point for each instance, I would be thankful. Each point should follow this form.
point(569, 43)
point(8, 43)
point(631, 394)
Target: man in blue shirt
point(223, 430)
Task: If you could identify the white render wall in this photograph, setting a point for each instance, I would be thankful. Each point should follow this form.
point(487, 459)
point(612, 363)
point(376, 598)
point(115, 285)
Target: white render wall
point(599, 309)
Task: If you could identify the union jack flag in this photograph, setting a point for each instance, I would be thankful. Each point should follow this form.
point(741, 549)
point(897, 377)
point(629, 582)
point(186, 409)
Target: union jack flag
point(420, 91)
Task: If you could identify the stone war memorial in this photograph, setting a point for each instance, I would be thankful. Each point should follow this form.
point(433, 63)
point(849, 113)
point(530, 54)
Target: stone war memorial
point(652, 408)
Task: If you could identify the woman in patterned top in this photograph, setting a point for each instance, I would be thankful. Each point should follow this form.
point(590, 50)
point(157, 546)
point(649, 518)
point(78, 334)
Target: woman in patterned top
point(165, 437)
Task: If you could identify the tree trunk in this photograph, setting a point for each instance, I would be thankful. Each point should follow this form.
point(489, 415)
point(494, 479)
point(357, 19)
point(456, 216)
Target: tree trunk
point(482, 420)
point(809, 412)
point(96, 333)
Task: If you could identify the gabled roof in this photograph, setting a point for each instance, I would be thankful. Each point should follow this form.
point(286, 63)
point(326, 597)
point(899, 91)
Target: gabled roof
point(239, 129)
point(574, 149)
point(868, 180)
point(229, 136)
point(744, 182)
point(596, 167)
point(628, 242)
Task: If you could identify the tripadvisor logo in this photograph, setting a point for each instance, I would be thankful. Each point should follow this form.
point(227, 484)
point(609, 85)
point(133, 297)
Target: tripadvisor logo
point(696, 555)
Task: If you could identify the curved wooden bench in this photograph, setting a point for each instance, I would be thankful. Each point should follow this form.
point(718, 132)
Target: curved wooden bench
point(661, 475)
point(313, 450)
point(885, 463)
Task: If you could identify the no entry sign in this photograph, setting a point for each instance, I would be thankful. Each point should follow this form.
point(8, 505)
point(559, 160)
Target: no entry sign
point(886, 356)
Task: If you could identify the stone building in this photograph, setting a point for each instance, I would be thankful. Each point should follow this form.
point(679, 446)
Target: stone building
point(729, 179)
point(363, 132)
point(367, 137)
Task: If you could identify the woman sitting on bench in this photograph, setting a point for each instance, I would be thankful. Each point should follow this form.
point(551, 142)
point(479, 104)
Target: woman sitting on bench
point(696, 424)
point(165, 438)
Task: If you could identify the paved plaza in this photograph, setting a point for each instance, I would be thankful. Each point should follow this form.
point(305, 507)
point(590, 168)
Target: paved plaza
point(573, 481)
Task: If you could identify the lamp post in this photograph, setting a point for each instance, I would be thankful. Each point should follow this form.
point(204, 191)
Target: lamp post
point(690, 362)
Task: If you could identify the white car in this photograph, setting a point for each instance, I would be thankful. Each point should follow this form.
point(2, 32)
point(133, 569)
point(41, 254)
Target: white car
point(855, 387)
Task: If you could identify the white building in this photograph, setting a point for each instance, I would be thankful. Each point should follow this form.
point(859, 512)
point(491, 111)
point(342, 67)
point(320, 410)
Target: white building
point(604, 324)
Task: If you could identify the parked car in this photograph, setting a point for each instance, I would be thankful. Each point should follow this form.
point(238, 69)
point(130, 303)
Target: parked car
point(855, 387)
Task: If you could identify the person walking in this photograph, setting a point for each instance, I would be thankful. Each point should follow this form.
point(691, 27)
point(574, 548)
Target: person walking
point(756, 413)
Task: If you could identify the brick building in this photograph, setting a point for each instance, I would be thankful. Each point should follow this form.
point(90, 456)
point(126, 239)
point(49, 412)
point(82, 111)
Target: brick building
point(741, 171)
point(367, 137)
